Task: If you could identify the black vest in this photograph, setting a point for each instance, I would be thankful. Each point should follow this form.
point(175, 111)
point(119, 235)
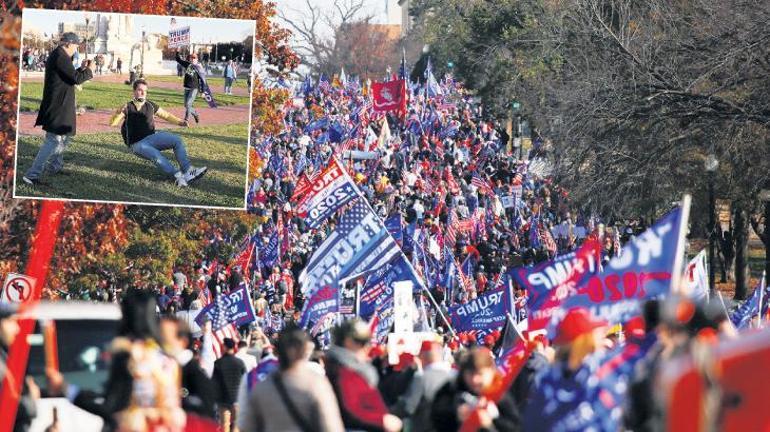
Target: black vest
point(139, 123)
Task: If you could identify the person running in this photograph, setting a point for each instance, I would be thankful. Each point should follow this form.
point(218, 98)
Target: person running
point(57, 108)
point(230, 75)
point(137, 122)
point(194, 80)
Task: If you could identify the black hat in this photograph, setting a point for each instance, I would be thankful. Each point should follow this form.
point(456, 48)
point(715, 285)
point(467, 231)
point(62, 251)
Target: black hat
point(70, 38)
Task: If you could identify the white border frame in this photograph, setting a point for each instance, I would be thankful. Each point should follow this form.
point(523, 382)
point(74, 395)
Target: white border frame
point(83, 200)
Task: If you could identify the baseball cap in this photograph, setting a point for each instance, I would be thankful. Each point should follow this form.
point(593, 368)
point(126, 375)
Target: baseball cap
point(577, 323)
point(70, 37)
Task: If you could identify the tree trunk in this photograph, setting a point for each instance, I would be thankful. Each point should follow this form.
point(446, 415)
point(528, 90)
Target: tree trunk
point(741, 250)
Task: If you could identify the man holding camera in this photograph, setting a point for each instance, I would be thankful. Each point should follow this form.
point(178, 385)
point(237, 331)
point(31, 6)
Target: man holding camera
point(57, 109)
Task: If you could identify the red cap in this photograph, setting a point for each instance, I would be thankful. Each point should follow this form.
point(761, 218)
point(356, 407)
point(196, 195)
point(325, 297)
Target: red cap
point(577, 323)
point(427, 345)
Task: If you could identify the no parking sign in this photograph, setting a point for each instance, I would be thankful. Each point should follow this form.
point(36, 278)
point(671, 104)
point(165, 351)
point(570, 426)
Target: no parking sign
point(17, 288)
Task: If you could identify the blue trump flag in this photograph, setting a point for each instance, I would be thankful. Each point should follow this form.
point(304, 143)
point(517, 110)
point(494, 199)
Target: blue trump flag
point(359, 244)
point(647, 268)
point(320, 304)
point(395, 227)
point(269, 255)
point(741, 317)
point(486, 312)
point(236, 307)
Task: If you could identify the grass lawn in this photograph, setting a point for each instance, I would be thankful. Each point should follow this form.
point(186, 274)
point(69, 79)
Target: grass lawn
point(102, 95)
point(215, 82)
point(101, 167)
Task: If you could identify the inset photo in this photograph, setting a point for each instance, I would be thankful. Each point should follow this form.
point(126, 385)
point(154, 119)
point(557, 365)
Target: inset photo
point(132, 108)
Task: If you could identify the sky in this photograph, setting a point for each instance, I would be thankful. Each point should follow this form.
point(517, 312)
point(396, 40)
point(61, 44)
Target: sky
point(294, 9)
point(202, 30)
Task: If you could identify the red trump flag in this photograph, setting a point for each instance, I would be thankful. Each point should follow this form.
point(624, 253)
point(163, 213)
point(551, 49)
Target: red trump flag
point(389, 96)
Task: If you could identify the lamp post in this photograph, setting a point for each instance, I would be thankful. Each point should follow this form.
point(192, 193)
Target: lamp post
point(231, 53)
point(711, 164)
point(141, 59)
point(88, 32)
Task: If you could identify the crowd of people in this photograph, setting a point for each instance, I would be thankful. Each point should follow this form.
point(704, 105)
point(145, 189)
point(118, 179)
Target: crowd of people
point(450, 189)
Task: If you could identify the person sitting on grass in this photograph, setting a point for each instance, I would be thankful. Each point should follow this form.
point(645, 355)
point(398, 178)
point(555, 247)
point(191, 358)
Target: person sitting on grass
point(138, 130)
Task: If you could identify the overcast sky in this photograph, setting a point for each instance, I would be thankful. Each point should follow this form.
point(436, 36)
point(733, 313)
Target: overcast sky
point(202, 30)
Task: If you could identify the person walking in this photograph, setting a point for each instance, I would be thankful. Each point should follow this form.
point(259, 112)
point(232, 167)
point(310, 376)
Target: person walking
point(228, 371)
point(119, 66)
point(57, 108)
point(230, 76)
point(293, 398)
point(138, 129)
point(354, 380)
point(194, 79)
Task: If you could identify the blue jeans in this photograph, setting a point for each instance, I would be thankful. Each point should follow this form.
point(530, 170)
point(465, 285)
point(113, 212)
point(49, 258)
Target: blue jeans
point(229, 85)
point(150, 148)
point(50, 157)
point(189, 98)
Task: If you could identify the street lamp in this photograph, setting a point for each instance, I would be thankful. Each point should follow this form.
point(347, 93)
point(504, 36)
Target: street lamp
point(141, 60)
point(88, 32)
point(711, 164)
point(231, 53)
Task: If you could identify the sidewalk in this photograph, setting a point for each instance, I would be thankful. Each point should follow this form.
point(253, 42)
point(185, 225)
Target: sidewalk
point(98, 121)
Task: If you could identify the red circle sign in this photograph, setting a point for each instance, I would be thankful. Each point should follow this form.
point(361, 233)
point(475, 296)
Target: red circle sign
point(18, 290)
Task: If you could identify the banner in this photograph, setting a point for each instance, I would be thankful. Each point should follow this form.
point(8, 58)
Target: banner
point(389, 96)
point(403, 306)
point(322, 302)
point(549, 283)
point(359, 244)
point(179, 37)
point(696, 278)
point(488, 311)
point(646, 269)
point(236, 307)
point(326, 193)
point(268, 256)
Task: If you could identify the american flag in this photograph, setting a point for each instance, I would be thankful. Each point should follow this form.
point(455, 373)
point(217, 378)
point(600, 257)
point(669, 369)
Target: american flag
point(222, 327)
point(547, 239)
point(481, 184)
point(205, 296)
point(451, 230)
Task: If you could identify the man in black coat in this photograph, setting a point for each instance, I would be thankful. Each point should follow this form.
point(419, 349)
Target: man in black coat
point(57, 109)
point(228, 372)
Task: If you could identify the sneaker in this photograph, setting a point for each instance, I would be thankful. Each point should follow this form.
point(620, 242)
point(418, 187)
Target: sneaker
point(33, 182)
point(197, 118)
point(180, 179)
point(193, 174)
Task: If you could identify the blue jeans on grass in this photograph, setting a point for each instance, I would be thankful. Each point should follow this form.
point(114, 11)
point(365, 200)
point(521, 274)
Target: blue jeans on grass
point(189, 98)
point(50, 157)
point(151, 146)
point(229, 85)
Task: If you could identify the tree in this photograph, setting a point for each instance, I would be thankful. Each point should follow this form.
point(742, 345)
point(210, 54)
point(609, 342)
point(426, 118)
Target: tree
point(633, 95)
point(99, 241)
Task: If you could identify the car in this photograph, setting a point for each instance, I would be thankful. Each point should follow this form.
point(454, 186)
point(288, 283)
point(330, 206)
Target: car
point(82, 334)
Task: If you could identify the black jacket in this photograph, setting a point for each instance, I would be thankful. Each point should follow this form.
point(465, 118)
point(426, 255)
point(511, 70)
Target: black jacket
point(228, 372)
point(451, 396)
point(57, 109)
point(198, 394)
point(191, 77)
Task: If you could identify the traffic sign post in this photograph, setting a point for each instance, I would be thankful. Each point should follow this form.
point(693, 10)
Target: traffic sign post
point(17, 288)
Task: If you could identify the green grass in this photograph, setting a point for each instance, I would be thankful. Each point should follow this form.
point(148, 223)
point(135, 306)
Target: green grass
point(102, 95)
point(217, 83)
point(101, 167)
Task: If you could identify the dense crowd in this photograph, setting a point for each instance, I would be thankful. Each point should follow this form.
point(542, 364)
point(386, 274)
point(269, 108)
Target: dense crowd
point(446, 182)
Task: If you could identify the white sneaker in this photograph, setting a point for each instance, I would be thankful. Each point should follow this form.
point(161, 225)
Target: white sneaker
point(180, 179)
point(193, 174)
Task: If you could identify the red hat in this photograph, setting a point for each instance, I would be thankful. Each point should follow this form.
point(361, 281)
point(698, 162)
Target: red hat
point(577, 323)
point(427, 345)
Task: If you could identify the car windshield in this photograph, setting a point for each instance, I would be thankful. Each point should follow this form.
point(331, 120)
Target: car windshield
point(83, 352)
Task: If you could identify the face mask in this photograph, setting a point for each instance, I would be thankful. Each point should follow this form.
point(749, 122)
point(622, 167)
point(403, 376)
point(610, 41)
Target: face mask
point(141, 100)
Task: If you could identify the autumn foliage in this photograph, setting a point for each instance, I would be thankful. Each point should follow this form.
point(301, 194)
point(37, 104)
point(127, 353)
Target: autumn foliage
point(128, 244)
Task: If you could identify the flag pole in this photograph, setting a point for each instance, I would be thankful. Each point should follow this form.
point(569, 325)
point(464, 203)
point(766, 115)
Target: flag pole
point(409, 264)
point(762, 286)
point(727, 314)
